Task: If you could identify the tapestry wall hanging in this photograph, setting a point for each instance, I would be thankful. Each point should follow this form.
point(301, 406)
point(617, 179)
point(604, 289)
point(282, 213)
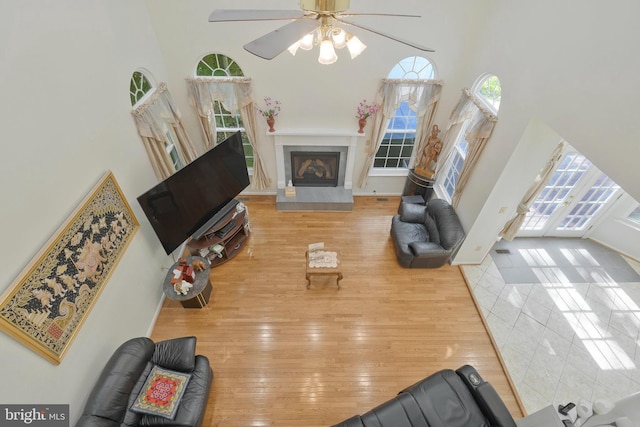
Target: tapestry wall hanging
point(48, 302)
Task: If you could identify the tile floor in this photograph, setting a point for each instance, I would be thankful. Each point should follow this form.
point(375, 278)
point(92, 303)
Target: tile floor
point(568, 326)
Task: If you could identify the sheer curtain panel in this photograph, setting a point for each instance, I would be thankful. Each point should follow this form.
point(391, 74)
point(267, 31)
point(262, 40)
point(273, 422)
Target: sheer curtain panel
point(152, 119)
point(234, 93)
point(513, 225)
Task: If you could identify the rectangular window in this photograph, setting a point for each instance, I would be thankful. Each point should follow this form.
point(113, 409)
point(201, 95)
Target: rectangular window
point(226, 124)
point(453, 167)
point(171, 149)
point(397, 145)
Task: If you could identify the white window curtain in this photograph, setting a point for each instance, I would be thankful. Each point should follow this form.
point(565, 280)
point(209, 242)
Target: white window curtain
point(512, 226)
point(151, 119)
point(463, 111)
point(234, 93)
point(479, 129)
point(423, 97)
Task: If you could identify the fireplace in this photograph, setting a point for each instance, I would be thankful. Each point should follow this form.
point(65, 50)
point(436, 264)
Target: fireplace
point(315, 168)
point(323, 160)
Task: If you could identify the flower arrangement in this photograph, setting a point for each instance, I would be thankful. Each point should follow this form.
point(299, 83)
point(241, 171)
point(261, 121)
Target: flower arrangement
point(272, 108)
point(366, 110)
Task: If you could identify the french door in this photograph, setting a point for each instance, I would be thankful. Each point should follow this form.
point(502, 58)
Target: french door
point(572, 201)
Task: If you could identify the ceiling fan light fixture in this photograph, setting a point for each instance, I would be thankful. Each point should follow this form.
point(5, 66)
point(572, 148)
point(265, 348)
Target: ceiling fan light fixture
point(327, 53)
point(294, 48)
point(355, 46)
point(306, 42)
point(339, 37)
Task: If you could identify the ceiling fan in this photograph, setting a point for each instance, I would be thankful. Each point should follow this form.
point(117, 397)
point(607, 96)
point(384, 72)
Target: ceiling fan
point(314, 24)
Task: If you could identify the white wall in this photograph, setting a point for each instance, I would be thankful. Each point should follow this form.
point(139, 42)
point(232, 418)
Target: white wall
point(616, 231)
point(65, 67)
point(568, 64)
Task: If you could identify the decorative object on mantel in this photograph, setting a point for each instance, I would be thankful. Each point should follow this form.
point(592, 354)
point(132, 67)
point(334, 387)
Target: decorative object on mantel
point(290, 190)
point(271, 111)
point(364, 112)
point(47, 304)
point(426, 166)
point(315, 24)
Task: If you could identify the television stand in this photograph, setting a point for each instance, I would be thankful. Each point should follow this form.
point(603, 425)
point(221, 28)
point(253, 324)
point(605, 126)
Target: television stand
point(224, 239)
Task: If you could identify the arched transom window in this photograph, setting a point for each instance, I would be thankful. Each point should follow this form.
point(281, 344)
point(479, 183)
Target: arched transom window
point(139, 87)
point(489, 90)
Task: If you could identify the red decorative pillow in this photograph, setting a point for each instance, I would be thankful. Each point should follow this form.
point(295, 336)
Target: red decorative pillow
point(161, 393)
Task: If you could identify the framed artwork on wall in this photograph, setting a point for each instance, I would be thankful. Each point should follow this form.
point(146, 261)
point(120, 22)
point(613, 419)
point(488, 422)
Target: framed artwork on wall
point(47, 303)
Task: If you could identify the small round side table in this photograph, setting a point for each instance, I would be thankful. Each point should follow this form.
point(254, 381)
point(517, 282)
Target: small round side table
point(198, 295)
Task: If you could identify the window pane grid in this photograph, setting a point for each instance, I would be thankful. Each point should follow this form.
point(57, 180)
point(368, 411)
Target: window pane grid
point(562, 182)
point(491, 92)
point(598, 196)
point(455, 165)
point(138, 87)
point(395, 150)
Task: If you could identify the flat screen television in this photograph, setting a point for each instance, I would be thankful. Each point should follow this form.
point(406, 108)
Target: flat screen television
point(196, 197)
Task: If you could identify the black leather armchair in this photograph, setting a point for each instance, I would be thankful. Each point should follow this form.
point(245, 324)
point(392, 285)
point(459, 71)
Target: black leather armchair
point(426, 236)
point(445, 399)
point(124, 375)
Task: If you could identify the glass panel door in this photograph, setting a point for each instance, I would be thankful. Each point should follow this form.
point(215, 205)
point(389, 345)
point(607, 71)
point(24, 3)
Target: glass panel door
point(583, 212)
point(571, 201)
point(556, 194)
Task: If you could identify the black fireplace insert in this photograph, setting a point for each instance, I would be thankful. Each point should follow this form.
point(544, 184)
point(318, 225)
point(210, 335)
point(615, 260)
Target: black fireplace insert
point(314, 168)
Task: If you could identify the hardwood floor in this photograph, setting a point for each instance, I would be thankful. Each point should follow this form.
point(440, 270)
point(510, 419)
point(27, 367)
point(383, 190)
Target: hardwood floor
point(284, 355)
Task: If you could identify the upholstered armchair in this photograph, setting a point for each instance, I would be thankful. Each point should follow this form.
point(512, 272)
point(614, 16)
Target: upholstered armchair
point(459, 398)
point(426, 236)
point(114, 398)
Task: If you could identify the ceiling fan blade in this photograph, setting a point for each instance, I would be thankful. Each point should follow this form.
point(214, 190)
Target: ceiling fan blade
point(408, 43)
point(274, 43)
point(341, 15)
point(228, 15)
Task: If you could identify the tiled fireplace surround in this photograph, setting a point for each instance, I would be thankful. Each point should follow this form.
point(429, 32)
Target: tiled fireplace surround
point(316, 198)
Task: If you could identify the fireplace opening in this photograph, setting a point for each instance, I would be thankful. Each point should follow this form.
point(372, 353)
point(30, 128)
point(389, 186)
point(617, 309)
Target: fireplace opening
point(315, 168)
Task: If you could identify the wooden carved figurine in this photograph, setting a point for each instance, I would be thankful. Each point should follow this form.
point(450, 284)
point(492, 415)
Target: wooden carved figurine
point(427, 164)
point(198, 265)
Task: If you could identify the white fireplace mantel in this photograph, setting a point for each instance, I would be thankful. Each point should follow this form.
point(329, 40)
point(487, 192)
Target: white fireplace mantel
point(316, 138)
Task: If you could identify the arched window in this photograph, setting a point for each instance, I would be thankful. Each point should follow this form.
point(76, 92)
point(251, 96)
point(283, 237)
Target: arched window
point(487, 90)
point(224, 122)
point(141, 87)
point(397, 145)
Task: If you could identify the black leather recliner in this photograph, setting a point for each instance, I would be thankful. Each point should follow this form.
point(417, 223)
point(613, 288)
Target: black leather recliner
point(426, 236)
point(124, 375)
point(445, 399)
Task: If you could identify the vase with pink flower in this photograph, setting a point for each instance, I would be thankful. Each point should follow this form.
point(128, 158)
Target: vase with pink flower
point(270, 112)
point(364, 112)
